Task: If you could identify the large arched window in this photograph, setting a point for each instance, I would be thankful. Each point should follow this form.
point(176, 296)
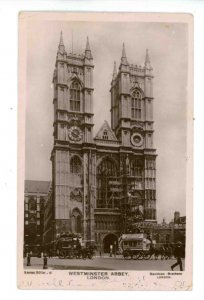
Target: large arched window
point(136, 167)
point(107, 195)
point(75, 96)
point(76, 221)
point(136, 106)
point(75, 165)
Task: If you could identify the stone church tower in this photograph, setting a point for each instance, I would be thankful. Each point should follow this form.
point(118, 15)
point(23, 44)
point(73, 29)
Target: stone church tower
point(132, 122)
point(102, 184)
point(72, 159)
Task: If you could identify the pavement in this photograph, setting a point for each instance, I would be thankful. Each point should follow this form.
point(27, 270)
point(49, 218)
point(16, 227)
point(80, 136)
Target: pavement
point(103, 263)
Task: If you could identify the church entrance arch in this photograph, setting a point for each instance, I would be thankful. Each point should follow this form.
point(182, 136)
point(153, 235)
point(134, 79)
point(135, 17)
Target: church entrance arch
point(110, 239)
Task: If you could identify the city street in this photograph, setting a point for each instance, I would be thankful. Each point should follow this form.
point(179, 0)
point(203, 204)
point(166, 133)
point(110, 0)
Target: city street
point(103, 263)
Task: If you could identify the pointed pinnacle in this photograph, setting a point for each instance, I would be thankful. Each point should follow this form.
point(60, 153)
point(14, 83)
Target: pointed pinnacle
point(147, 59)
point(61, 47)
point(123, 57)
point(61, 43)
point(87, 44)
point(123, 52)
point(88, 50)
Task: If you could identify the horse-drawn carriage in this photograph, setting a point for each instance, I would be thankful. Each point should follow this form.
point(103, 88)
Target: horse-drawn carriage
point(139, 246)
point(134, 246)
point(68, 245)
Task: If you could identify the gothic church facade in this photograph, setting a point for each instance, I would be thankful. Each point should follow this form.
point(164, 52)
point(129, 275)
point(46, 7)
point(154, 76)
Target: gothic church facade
point(99, 182)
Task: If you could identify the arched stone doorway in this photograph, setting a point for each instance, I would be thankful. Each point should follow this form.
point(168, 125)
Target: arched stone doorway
point(110, 239)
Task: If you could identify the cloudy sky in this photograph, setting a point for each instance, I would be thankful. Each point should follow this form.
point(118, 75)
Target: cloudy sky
point(168, 48)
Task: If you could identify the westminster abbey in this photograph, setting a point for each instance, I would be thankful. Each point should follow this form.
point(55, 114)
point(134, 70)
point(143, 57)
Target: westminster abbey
point(101, 183)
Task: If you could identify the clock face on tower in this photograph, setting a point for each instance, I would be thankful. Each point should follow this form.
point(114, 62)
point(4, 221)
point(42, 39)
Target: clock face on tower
point(75, 134)
point(136, 139)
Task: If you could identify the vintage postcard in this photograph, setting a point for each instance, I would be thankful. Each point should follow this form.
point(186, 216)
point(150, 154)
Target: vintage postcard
point(105, 151)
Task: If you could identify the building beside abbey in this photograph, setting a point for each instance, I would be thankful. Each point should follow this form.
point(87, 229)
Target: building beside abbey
point(104, 183)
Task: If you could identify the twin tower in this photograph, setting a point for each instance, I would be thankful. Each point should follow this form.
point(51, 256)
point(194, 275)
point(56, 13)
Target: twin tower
point(101, 185)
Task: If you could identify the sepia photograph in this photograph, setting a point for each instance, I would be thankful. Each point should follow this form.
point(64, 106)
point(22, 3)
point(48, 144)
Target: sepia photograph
point(105, 167)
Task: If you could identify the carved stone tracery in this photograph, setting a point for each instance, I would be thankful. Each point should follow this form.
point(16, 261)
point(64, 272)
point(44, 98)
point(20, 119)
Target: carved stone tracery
point(76, 195)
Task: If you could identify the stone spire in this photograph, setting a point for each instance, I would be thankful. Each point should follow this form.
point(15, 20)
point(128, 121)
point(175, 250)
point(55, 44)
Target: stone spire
point(124, 57)
point(61, 47)
point(114, 71)
point(147, 63)
point(88, 50)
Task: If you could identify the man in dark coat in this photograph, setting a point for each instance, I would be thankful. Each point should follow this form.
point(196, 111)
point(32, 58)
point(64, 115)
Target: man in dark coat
point(178, 255)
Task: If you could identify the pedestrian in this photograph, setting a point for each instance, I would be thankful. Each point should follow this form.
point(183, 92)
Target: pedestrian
point(170, 251)
point(178, 255)
point(114, 249)
point(111, 250)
